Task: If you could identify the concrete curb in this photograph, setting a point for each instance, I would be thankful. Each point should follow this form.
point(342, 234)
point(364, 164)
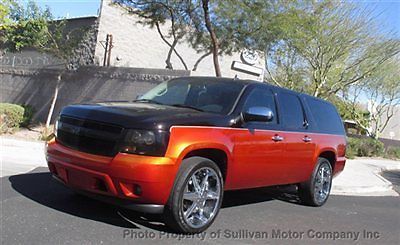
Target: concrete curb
point(367, 181)
point(20, 156)
point(384, 190)
point(13, 142)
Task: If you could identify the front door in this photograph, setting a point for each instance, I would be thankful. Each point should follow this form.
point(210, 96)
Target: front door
point(258, 150)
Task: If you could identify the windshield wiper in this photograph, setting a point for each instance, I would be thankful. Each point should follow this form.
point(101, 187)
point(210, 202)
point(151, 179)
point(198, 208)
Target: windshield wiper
point(148, 101)
point(187, 106)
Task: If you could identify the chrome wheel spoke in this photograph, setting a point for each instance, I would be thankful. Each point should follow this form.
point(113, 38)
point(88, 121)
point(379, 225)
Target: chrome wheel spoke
point(211, 195)
point(203, 185)
point(204, 182)
point(190, 210)
point(322, 183)
point(191, 196)
point(203, 219)
point(196, 185)
point(317, 188)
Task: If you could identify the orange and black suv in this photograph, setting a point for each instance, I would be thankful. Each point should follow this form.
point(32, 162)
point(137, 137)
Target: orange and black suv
point(176, 149)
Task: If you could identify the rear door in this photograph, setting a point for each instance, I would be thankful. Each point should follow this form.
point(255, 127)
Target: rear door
point(257, 157)
point(299, 144)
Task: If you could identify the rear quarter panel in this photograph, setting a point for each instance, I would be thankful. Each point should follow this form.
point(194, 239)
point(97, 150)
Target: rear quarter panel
point(331, 143)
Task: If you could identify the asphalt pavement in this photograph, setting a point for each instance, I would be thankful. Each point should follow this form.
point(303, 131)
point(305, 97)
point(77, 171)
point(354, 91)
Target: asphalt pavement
point(37, 210)
point(393, 176)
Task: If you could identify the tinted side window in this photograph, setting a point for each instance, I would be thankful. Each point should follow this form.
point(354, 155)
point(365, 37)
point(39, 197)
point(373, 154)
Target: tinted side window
point(292, 111)
point(261, 98)
point(325, 116)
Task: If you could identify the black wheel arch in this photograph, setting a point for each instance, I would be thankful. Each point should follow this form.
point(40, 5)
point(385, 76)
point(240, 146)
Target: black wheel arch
point(218, 156)
point(330, 156)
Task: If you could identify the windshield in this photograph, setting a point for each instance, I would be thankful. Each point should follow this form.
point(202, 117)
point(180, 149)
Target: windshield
point(210, 96)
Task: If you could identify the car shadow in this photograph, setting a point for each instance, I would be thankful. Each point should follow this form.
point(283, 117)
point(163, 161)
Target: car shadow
point(286, 193)
point(39, 186)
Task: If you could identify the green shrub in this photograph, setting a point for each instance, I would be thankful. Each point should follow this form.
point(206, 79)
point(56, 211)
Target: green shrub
point(351, 151)
point(352, 147)
point(28, 114)
point(372, 147)
point(11, 116)
point(393, 152)
point(365, 147)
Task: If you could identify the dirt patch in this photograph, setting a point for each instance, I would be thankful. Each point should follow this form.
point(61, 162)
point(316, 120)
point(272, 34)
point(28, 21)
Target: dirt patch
point(34, 133)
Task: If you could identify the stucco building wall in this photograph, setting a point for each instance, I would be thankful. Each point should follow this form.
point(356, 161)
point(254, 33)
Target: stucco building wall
point(392, 130)
point(136, 45)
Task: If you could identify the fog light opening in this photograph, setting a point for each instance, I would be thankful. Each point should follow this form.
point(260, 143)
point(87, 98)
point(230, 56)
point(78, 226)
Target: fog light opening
point(100, 185)
point(137, 190)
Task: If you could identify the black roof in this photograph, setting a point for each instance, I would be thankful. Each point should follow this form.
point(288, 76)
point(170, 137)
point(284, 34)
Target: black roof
point(248, 81)
point(220, 79)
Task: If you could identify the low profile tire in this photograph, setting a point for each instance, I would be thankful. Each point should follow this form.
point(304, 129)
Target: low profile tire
point(196, 196)
point(316, 190)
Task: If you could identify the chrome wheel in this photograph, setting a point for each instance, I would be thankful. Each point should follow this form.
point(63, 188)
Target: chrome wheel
point(322, 183)
point(200, 199)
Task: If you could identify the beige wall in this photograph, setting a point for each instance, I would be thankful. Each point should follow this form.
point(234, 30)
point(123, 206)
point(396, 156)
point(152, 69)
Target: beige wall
point(392, 130)
point(136, 45)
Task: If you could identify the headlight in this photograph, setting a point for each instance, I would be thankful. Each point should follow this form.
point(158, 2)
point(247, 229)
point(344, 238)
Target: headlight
point(145, 142)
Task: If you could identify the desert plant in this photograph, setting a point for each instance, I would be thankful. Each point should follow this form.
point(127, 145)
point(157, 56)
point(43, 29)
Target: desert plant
point(393, 152)
point(351, 151)
point(46, 133)
point(29, 111)
point(364, 147)
point(11, 116)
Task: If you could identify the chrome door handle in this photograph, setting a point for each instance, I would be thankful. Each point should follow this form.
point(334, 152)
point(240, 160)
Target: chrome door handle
point(307, 139)
point(277, 138)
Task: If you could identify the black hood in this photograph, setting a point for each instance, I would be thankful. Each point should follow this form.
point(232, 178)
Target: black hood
point(144, 115)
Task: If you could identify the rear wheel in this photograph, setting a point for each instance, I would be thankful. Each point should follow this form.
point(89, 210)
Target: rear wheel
point(197, 196)
point(315, 192)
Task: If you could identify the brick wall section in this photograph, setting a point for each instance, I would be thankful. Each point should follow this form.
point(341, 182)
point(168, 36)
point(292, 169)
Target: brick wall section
point(87, 84)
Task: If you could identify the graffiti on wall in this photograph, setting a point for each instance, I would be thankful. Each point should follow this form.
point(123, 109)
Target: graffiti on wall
point(30, 59)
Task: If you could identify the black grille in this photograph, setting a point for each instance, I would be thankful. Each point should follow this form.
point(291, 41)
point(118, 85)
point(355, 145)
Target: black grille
point(88, 136)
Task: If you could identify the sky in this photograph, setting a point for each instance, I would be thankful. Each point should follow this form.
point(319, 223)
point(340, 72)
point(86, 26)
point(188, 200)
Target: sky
point(387, 11)
point(70, 8)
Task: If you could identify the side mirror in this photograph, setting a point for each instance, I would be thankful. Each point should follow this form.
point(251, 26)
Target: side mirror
point(258, 114)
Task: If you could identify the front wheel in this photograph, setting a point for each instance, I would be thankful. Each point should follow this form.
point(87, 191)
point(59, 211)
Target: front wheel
point(196, 197)
point(315, 192)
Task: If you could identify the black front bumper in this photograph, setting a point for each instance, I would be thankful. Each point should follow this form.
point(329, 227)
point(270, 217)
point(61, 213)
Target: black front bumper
point(124, 203)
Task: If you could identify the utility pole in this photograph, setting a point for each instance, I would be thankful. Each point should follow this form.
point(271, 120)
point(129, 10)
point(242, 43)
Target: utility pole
point(107, 45)
point(105, 51)
point(110, 46)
